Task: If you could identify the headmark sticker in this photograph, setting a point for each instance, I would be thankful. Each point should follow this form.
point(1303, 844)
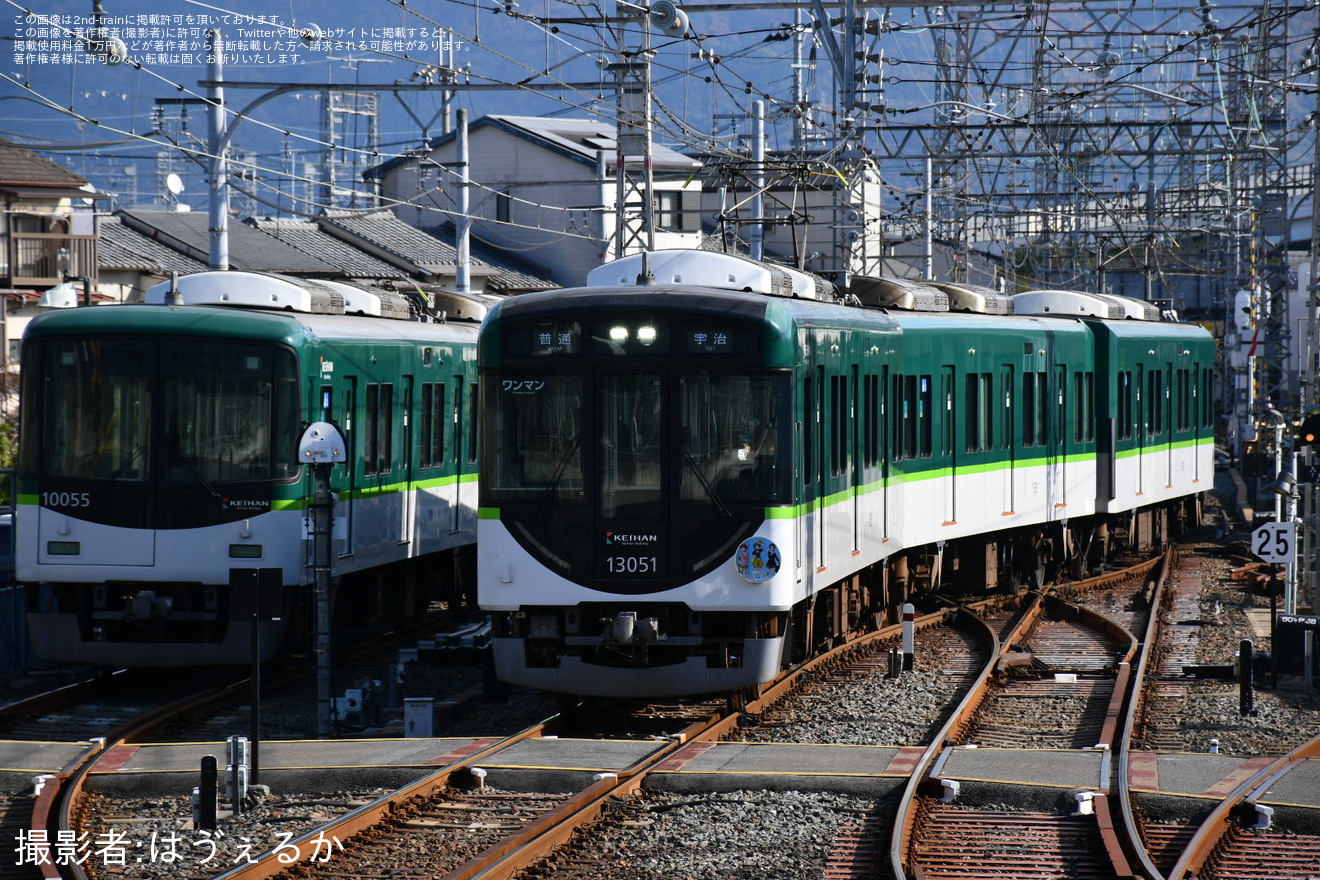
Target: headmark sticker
point(757, 559)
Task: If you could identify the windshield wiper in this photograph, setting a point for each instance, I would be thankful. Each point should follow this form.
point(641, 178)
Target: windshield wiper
point(558, 475)
point(705, 484)
point(124, 466)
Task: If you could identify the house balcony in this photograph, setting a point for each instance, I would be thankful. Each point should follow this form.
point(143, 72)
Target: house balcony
point(35, 259)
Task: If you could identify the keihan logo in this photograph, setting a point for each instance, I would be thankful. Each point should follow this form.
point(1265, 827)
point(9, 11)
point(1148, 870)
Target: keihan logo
point(630, 540)
point(245, 504)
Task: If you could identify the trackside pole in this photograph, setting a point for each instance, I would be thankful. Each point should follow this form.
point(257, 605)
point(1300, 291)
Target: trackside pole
point(1246, 692)
point(909, 636)
point(322, 446)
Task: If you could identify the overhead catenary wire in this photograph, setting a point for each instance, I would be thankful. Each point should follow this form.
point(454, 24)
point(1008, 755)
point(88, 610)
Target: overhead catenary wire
point(713, 71)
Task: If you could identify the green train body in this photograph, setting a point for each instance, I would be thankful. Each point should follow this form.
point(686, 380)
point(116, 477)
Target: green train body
point(158, 476)
point(685, 488)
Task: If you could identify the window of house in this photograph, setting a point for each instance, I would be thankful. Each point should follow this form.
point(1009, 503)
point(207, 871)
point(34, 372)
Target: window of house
point(669, 211)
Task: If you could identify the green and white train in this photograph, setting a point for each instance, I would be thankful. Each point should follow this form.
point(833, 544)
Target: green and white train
point(160, 501)
point(688, 484)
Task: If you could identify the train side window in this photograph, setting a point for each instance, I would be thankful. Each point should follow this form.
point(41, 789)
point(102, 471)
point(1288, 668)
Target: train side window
point(1061, 406)
point(472, 423)
point(1039, 406)
point(379, 429)
point(1089, 390)
point(1083, 407)
point(871, 421)
point(1207, 398)
point(926, 414)
point(896, 408)
point(424, 458)
point(1155, 421)
point(438, 425)
point(987, 411)
point(327, 403)
point(839, 422)
point(809, 430)
point(1078, 398)
point(1006, 432)
point(910, 416)
point(980, 412)
point(385, 426)
point(371, 416)
point(1124, 394)
point(1184, 400)
point(948, 425)
point(1042, 410)
point(972, 405)
point(1029, 409)
point(433, 424)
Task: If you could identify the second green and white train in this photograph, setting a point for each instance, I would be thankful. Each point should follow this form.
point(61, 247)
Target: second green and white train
point(688, 484)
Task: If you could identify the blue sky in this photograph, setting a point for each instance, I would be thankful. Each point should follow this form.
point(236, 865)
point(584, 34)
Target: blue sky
point(55, 95)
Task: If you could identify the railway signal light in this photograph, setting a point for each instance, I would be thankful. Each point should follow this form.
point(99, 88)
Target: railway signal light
point(1309, 432)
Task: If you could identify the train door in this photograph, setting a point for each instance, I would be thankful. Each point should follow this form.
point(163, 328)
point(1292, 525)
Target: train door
point(819, 466)
point(456, 453)
point(1006, 432)
point(344, 509)
point(1140, 427)
point(854, 458)
point(948, 446)
point(1171, 408)
point(1166, 405)
point(1058, 442)
point(632, 511)
point(885, 450)
point(811, 532)
point(408, 509)
point(433, 418)
point(841, 424)
point(1201, 420)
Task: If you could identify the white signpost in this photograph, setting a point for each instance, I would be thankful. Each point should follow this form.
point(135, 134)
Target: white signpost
point(1275, 542)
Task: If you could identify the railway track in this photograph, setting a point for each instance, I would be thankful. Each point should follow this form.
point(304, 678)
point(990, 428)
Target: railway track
point(1025, 648)
point(1054, 685)
point(105, 712)
point(1057, 680)
point(372, 836)
point(1242, 838)
point(378, 834)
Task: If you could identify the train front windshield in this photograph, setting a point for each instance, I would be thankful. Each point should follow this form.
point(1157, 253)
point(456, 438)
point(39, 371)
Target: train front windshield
point(118, 412)
point(667, 451)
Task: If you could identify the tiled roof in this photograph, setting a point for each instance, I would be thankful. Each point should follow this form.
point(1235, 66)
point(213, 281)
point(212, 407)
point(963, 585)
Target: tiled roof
point(434, 251)
point(125, 248)
point(249, 249)
point(309, 238)
point(19, 165)
point(515, 275)
point(385, 231)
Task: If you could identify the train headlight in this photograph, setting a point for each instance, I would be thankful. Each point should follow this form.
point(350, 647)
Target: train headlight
point(646, 335)
point(619, 334)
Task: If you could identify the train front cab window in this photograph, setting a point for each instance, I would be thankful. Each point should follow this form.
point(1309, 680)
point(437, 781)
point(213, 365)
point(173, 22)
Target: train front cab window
point(666, 439)
point(228, 412)
point(89, 408)
point(533, 449)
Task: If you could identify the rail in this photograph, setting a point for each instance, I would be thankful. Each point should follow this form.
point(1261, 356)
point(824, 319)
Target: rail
point(1213, 827)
